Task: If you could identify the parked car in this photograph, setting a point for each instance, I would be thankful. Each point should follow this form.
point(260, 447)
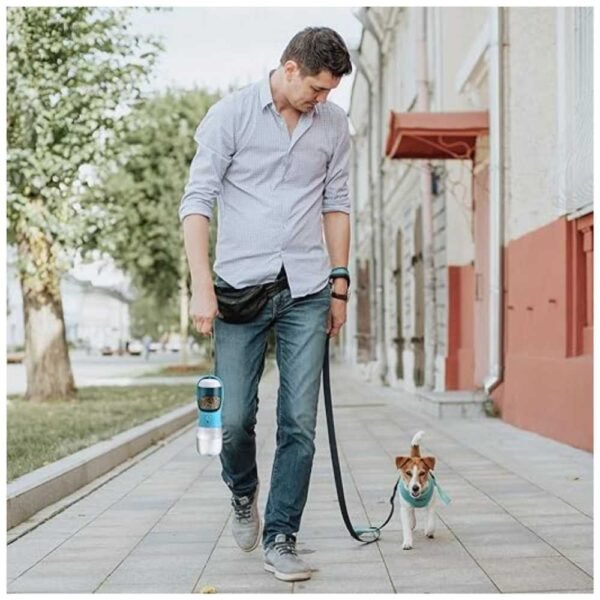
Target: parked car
point(155, 346)
point(15, 357)
point(107, 350)
point(174, 344)
point(135, 347)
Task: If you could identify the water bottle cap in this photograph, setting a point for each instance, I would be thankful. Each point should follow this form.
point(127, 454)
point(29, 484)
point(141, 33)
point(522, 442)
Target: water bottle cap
point(209, 382)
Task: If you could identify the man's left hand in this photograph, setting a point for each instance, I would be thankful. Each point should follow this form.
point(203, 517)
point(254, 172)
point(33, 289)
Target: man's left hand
point(337, 309)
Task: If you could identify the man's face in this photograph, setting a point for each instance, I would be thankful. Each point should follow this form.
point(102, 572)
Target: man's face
point(303, 93)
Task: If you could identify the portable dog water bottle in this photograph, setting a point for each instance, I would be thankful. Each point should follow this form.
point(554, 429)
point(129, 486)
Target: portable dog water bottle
point(209, 398)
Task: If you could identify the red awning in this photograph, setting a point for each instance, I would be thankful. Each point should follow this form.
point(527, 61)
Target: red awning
point(431, 135)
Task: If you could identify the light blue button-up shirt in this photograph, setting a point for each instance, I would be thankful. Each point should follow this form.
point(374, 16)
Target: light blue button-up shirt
point(271, 188)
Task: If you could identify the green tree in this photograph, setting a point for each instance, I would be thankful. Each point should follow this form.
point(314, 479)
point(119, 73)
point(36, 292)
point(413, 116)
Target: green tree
point(140, 199)
point(152, 317)
point(72, 72)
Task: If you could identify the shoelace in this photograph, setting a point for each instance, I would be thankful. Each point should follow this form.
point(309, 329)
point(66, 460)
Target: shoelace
point(243, 512)
point(287, 547)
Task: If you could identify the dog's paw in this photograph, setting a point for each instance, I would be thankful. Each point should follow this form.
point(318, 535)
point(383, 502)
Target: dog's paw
point(407, 546)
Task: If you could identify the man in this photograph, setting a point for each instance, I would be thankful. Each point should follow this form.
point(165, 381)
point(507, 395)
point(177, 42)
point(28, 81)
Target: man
point(275, 154)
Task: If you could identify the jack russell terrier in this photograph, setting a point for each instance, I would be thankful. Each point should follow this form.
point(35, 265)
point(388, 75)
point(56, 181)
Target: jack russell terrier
point(415, 489)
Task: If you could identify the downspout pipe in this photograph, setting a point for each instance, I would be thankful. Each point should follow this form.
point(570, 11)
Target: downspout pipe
point(495, 374)
point(364, 16)
point(423, 105)
point(356, 59)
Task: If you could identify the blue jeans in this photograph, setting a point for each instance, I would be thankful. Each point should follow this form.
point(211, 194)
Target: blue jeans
point(300, 331)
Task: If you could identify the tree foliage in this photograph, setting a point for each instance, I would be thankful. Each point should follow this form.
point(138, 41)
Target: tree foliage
point(72, 73)
point(140, 199)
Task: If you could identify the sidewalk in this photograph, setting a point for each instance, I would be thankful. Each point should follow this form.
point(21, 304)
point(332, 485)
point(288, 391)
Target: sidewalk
point(520, 518)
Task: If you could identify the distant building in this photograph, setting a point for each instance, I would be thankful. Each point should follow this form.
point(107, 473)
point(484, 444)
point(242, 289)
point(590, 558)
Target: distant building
point(95, 315)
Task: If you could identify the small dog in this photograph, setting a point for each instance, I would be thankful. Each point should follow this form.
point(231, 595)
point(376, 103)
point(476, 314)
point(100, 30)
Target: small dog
point(417, 492)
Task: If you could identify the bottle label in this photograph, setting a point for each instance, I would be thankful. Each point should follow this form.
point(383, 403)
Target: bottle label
point(209, 419)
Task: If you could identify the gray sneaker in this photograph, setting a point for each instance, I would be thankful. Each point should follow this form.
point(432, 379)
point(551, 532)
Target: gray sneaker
point(246, 525)
point(282, 560)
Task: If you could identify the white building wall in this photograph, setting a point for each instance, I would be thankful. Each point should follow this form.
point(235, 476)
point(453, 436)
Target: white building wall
point(531, 120)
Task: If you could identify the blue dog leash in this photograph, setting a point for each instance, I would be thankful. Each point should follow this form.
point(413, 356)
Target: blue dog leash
point(366, 535)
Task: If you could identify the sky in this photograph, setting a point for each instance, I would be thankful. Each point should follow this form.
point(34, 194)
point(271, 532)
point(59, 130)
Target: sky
point(218, 47)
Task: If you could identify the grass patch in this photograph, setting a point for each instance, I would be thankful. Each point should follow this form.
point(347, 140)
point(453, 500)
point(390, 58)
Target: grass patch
point(39, 434)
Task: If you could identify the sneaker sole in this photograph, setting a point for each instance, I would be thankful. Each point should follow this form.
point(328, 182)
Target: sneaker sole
point(301, 576)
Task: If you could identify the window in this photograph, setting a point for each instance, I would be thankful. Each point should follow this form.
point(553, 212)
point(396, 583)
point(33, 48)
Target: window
point(580, 305)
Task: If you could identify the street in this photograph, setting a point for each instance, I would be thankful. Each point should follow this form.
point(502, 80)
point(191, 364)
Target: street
point(95, 369)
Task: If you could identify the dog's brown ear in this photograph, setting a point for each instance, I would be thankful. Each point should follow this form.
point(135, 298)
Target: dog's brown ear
point(429, 462)
point(401, 461)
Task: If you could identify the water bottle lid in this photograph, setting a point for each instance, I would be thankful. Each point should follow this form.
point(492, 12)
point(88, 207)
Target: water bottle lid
point(209, 382)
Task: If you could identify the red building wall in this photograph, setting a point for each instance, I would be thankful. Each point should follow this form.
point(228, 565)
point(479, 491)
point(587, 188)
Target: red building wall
point(548, 324)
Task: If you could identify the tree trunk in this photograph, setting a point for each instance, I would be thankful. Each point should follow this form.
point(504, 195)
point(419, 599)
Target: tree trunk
point(47, 362)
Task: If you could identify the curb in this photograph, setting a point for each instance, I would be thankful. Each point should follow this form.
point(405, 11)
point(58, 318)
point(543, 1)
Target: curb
point(36, 490)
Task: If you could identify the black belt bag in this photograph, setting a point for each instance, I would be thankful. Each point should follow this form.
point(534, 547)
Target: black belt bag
point(244, 304)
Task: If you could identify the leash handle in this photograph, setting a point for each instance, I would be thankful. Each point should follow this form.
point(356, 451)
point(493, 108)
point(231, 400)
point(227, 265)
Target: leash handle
point(357, 534)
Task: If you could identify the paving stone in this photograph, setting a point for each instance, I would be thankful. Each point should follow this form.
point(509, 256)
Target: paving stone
point(535, 574)
point(247, 584)
point(27, 551)
point(444, 581)
point(344, 585)
point(584, 559)
point(137, 569)
point(65, 583)
point(563, 536)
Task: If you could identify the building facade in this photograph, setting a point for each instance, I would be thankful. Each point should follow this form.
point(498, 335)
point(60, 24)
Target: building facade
point(473, 221)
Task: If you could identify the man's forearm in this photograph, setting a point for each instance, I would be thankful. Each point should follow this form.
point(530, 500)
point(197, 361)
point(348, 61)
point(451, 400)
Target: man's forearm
point(337, 235)
point(196, 234)
point(336, 226)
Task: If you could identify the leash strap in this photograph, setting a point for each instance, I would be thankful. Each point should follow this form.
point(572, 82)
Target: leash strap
point(360, 534)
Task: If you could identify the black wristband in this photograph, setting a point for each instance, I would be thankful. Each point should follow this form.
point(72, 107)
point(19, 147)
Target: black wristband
point(343, 297)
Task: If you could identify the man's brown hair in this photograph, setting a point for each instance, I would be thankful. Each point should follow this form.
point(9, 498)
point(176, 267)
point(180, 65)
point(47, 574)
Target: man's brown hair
point(316, 49)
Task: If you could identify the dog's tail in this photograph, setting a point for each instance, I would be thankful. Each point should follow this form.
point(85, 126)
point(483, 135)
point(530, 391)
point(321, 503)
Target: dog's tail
point(414, 445)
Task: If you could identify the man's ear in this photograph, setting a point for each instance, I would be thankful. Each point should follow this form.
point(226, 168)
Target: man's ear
point(290, 67)
point(401, 461)
point(429, 462)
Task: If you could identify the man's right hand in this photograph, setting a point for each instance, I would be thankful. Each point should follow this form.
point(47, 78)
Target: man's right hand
point(203, 307)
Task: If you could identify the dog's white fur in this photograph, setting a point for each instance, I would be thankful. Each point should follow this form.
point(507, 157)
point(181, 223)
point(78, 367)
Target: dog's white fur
point(407, 511)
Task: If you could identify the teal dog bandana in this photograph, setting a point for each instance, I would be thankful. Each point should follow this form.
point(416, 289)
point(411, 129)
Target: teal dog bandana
point(425, 498)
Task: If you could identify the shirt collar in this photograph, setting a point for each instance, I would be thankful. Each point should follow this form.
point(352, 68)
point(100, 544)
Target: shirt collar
point(266, 97)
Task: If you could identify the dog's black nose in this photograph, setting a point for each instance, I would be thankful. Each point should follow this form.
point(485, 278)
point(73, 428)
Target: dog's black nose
point(415, 488)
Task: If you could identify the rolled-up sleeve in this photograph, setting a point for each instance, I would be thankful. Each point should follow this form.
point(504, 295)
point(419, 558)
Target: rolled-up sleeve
point(336, 196)
point(216, 147)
